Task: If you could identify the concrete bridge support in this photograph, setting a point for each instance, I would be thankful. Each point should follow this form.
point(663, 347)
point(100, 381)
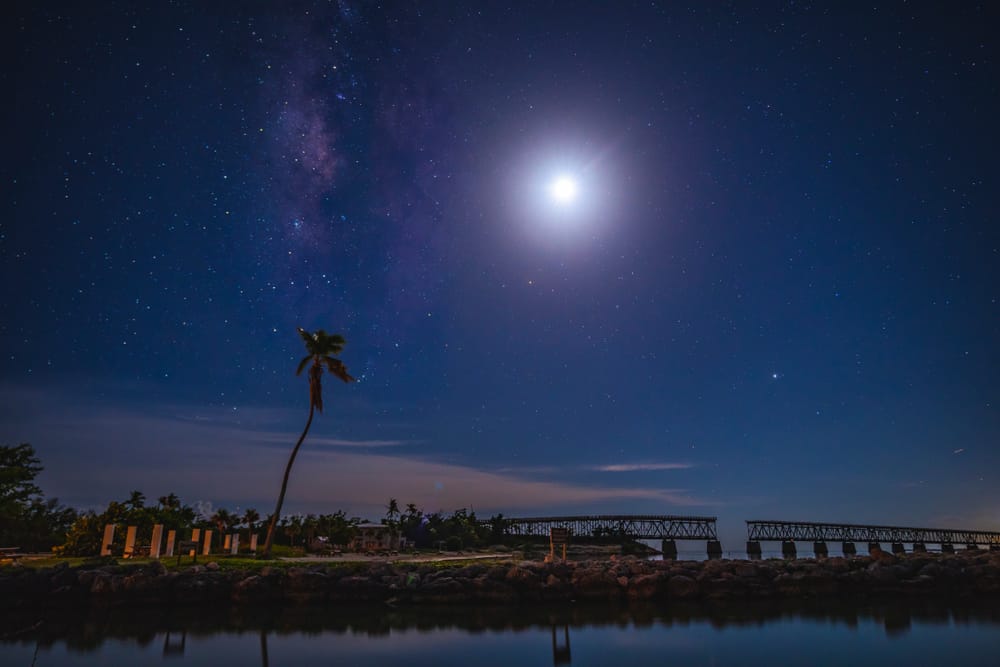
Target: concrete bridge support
point(972, 546)
point(947, 548)
point(754, 551)
point(874, 547)
point(849, 549)
point(819, 548)
point(714, 549)
point(995, 547)
point(669, 549)
point(919, 548)
point(788, 550)
point(897, 548)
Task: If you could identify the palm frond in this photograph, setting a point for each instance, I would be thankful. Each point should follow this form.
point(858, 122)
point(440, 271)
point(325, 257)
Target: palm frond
point(302, 364)
point(338, 368)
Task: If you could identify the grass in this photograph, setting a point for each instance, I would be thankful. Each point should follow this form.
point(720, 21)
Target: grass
point(246, 562)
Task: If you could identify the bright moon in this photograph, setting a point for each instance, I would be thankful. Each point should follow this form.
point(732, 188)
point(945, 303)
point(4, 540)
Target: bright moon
point(563, 190)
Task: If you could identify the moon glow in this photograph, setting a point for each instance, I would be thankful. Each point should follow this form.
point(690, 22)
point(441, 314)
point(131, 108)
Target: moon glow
point(564, 190)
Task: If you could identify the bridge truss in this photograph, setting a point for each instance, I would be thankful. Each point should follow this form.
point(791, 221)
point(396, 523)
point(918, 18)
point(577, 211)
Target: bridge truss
point(790, 531)
point(641, 527)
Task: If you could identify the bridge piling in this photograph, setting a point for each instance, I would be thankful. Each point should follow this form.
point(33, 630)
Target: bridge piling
point(849, 549)
point(898, 549)
point(919, 548)
point(947, 548)
point(788, 550)
point(669, 549)
point(754, 551)
point(819, 548)
point(972, 546)
point(714, 550)
point(995, 547)
point(874, 548)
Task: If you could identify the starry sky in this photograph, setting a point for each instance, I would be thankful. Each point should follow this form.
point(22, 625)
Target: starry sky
point(774, 295)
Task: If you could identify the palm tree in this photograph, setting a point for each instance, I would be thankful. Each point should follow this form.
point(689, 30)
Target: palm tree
point(136, 500)
point(392, 510)
point(321, 347)
point(250, 518)
point(222, 519)
point(293, 529)
point(170, 501)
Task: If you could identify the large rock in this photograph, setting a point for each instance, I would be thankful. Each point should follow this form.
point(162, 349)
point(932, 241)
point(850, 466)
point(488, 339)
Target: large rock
point(595, 583)
point(523, 580)
point(648, 586)
point(682, 587)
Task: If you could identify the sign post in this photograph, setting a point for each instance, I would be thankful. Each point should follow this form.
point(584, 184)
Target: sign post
point(558, 536)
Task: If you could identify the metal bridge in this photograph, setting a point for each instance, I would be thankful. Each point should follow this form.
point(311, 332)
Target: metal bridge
point(790, 531)
point(640, 527)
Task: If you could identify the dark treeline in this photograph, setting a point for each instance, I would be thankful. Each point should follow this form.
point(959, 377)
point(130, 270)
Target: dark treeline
point(27, 519)
point(309, 532)
point(35, 524)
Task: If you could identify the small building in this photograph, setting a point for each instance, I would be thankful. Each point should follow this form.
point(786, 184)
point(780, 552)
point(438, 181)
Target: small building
point(376, 537)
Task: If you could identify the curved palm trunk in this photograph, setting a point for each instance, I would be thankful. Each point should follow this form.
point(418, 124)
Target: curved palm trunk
point(266, 553)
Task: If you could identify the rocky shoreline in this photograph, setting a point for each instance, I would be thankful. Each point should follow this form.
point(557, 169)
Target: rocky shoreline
point(963, 575)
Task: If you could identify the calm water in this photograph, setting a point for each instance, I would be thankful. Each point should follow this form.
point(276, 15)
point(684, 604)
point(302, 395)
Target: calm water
point(568, 635)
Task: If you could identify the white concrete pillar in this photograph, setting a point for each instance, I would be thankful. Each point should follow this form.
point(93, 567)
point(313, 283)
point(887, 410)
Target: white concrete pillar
point(109, 537)
point(196, 538)
point(130, 542)
point(171, 538)
point(236, 544)
point(154, 543)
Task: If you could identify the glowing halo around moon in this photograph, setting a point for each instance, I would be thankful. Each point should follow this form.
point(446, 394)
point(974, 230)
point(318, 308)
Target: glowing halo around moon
point(561, 196)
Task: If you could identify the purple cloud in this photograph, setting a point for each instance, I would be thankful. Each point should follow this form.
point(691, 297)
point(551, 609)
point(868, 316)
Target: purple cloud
point(639, 467)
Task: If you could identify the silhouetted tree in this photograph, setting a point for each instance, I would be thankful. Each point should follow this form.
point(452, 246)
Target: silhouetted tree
point(27, 519)
point(250, 518)
point(321, 348)
point(293, 529)
point(392, 510)
point(18, 468)
point(223, 519)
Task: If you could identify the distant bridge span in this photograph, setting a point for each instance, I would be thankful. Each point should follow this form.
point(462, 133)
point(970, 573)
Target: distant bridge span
point(640, 527)
point(790, 531)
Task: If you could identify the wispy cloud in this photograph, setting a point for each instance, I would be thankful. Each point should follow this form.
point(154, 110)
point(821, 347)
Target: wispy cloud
point(641, 467)
point(94, 453)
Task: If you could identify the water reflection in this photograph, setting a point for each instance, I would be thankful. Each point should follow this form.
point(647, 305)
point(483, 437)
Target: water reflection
point(190, 634)
point(560, 652)
point(175, 646)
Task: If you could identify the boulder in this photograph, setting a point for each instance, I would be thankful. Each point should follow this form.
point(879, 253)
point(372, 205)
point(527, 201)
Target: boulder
point(682, 587)
point(648, 586)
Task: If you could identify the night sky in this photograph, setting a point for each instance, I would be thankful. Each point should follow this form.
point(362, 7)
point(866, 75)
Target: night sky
point(773, 293)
